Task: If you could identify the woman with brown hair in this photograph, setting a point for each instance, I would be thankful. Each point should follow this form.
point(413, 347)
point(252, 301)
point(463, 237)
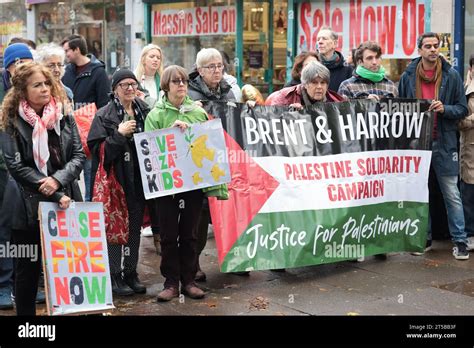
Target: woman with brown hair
point(44, 155)
point(301, 60)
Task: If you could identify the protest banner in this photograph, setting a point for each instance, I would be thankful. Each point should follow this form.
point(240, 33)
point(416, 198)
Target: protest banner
point(75, 259)
point(172, 161)
point(330, 183)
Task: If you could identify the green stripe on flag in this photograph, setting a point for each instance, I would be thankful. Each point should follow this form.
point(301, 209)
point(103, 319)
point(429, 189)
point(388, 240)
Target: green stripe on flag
point(311, 237)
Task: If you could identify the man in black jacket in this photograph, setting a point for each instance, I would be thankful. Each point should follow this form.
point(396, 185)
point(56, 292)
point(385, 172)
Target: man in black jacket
point(332, 59)
point(86, 76)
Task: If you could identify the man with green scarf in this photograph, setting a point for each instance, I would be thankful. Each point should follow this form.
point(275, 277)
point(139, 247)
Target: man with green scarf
point(368, 80)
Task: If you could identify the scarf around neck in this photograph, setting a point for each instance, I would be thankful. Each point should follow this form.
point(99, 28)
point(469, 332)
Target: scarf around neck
point(49, 120)
point(421, 77)
point(138, 115)
point(334, 57)
point(370, 75)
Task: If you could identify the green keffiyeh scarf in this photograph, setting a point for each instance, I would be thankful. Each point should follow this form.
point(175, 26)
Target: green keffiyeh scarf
point(370, 75)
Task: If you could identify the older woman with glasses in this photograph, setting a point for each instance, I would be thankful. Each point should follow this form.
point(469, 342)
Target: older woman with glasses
point(313, 89)
point(113, 127)
point(179, 213)
point(44, 155)
point(52, 56)
point(207, 82)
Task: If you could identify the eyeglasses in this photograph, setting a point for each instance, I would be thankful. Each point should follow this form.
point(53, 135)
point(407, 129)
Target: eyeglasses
point(127, 85)
point(213, 67)
point(177, 82)
point(52, 66)
point(428, 46)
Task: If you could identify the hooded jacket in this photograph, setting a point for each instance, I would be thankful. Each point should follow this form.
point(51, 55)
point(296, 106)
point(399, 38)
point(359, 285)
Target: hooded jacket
point(198, 89)
point(339, 71)
point(91, 86)
point(451, 94)
point(164, 114)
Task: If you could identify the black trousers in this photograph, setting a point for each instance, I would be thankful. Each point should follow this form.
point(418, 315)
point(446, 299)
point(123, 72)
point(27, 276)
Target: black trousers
point(178, 216)
point(27, 271)
point(202, 227)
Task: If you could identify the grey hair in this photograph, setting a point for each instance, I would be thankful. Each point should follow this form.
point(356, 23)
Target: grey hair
point(334, 35)
point(205, 55)
point(46, 51)
point(314, 70)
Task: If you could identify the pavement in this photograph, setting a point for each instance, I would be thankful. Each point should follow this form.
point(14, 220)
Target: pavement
point(432, 284)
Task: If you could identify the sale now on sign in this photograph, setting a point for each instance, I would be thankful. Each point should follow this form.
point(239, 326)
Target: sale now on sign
point(394, 24)
point(216, 20)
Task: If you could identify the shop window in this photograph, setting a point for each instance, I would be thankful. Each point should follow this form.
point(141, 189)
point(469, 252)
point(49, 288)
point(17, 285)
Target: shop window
point(202, 24)
point(101, 23)
point(12, 23)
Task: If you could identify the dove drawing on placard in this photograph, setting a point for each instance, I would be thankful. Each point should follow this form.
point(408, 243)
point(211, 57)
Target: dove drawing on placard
point(217, 172)
point(199, 151)
point(197, 178)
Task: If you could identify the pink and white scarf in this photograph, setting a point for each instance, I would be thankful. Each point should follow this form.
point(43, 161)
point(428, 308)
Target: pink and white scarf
point(50, 120)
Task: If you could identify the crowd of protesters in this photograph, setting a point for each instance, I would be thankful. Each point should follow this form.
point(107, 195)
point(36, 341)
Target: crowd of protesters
point(43, 86)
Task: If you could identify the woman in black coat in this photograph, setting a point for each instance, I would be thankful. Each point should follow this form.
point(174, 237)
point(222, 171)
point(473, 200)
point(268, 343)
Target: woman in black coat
point(44, 155)
point(114, 125)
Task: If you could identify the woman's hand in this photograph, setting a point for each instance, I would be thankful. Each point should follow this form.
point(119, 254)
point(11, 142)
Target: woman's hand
point(198, 103)
point(48, 186)
point(296, 106)
point(374, 97)
point(127, 128)
point(251, 103)
point(64, 202)
point(180, 124)
point(140, 94)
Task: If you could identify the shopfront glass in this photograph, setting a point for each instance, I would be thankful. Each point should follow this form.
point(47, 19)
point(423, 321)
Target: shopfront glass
point(12, 23)
point(101, 23)
point(182, 29)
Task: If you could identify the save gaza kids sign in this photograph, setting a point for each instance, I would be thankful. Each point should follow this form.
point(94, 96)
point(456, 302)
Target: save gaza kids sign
point(75, 258)
point(333, 182)
point(394, 24)
point(172, 161)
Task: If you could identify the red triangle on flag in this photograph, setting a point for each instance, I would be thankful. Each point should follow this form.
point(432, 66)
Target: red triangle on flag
point(250, 188)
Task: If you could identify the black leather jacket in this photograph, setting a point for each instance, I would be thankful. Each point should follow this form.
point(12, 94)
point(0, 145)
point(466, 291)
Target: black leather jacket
point(17, 145)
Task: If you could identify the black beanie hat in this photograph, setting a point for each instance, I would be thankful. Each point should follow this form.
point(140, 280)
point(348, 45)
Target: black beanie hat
point(120, 75)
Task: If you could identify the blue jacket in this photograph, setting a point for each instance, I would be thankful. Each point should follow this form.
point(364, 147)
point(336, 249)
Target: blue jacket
point(91, 86)
point(451, 94)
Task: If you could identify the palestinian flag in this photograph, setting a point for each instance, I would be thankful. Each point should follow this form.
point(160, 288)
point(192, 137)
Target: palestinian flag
point(326, 184)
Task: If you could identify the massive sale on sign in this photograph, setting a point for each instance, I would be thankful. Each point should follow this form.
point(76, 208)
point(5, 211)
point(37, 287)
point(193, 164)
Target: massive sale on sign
point(394, 24)
point(216, 20)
